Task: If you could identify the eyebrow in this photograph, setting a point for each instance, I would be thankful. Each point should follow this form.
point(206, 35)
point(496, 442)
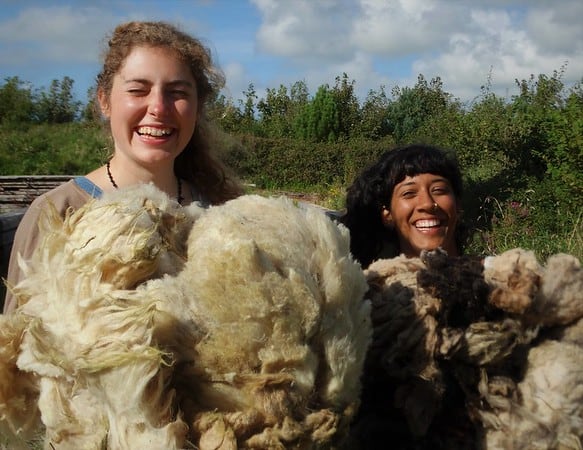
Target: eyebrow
point(439, 179)
point(173, 83)
point(408, 183)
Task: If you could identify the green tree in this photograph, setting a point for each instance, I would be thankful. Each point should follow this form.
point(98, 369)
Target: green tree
point(373, 117)
point(16, 101)
point(319, 120)
point(536, 112)
point(411, 107)
point(484, 136)
point(299, 94)
point(91, 112)
point(551, 122)
point(274, 112)
point(223, 111)
point(248, 108)
point(346, 105)
point(58, 105)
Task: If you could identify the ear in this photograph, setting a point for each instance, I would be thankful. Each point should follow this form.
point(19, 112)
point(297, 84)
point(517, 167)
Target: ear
point(386, 217)
point(103, 103)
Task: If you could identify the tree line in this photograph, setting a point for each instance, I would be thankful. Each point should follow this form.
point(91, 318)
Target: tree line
point(20, 102)
point(522, 156)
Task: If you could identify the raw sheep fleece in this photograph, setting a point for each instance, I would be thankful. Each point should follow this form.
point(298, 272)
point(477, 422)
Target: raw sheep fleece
point(142, 324)
point(473, 355)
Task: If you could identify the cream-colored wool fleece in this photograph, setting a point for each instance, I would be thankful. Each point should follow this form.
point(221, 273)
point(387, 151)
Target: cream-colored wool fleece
point(146, 325)
point(286, 329)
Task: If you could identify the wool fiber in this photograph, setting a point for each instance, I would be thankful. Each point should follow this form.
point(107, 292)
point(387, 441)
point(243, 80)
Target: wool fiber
point(142, 324)
point(474, 356)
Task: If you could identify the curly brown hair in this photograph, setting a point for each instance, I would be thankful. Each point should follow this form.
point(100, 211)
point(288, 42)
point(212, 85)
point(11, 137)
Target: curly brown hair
point(197, 163)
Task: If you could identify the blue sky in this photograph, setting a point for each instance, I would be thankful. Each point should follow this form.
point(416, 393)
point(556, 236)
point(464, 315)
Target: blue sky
point(278, 42)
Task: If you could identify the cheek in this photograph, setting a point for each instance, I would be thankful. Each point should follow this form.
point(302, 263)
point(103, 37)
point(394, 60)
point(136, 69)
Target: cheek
point(120, 109)
point(187, 110)
point(448, 203)
point(402, 211)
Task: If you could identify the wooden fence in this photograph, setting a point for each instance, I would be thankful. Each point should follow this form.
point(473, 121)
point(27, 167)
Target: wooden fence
point(17, 192)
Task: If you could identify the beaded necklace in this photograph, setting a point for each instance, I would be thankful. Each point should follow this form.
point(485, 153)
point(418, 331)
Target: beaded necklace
point(179, 197)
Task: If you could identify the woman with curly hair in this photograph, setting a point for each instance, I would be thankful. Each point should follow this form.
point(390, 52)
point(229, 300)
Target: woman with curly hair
point(406, 202)
point(153, 90)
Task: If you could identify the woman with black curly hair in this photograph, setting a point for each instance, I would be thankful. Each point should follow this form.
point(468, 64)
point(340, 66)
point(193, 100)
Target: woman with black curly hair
point(406, 202)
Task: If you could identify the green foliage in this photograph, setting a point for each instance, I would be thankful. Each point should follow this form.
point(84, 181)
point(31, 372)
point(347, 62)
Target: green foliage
point(279, 163)
point(531, 220)
point(91, 112)
point(359, 153)
point(299, 93)
point(373, 120)
point(275, 112)
point(414, 106)
point(522, 158)
point(16, 102)
point(290, 163)
point(319, 120)
point(51, 149)
point(248, 116)
point(57, 105)
point(19, 104)
point(486, 133)
point(346, 105)
point(223, 112)
point(554, 132)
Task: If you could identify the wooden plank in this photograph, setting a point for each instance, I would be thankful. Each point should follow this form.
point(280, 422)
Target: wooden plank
point(18, 191)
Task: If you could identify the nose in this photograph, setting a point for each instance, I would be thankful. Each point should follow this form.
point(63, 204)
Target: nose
point(427, 202)
point(158, 103)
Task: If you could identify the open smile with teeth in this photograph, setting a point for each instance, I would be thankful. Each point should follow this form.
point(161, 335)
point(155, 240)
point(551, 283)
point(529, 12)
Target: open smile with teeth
point(152, 131)
point(427, 223)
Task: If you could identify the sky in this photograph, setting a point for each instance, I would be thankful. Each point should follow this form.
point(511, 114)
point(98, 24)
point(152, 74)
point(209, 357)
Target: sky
point(269, 43)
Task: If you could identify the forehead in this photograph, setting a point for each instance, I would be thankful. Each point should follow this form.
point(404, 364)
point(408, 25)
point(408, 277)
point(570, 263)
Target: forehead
point(421, 179)
point(154, 62)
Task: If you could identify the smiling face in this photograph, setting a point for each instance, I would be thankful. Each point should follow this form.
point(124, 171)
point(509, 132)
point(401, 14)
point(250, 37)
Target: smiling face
point(424, 214)
point(152, 107)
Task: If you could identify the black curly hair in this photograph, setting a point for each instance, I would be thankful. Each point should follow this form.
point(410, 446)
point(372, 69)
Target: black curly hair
point(373, 188)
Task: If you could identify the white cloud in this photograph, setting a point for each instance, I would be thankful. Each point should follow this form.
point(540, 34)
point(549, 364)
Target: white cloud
point(55, 34)
point(398, 27)
point(498, 44)
point(462, 41)
point(305, 30)
point(557, 29)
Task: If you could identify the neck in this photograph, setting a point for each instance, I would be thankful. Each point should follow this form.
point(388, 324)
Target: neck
point(165, 180)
